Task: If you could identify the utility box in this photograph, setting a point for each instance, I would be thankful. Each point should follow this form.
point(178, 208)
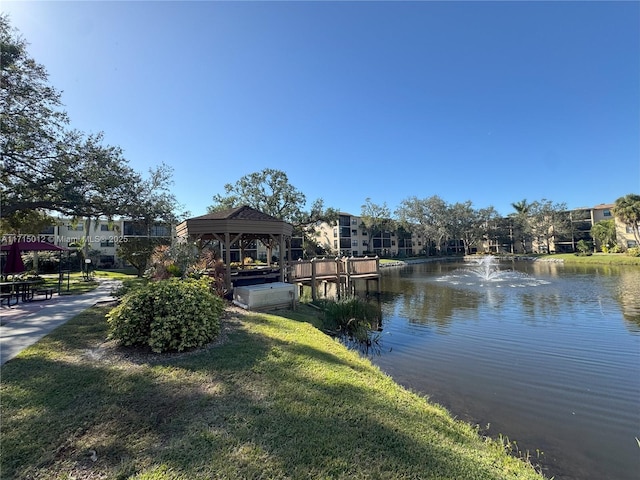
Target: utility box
point(266, 296)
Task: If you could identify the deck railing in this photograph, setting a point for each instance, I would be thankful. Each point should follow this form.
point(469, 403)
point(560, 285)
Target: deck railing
point(320, 268)
point(334, 269)
point(363, 266)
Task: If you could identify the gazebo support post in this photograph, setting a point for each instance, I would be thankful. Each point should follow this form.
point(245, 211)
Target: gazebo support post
point(314, 286)
point(227, 260)
point(282, 261)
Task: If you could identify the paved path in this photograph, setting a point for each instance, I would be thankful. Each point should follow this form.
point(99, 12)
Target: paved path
point(24, 324)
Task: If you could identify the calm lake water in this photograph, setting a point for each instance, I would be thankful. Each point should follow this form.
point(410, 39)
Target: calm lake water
point(544, 353)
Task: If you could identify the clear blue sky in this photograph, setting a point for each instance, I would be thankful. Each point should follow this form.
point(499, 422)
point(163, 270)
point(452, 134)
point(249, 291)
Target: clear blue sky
point(492, 102)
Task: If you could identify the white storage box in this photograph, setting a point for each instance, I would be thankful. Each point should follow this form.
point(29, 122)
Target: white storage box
point(265, 296)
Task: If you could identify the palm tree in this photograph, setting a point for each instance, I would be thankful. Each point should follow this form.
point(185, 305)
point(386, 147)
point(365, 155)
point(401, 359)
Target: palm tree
point(522, 211)
point(627, 210)
point(521, 207)
point(604, 232)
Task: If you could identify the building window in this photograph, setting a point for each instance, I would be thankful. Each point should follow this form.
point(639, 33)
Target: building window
point(160, 231)
point(354, 233)
point(107, 261)
point(631, 243)
point(105, 228)
point(75, 228)
point(354, 221)
point(354, 243)
point(335, 244)
point(335, 233)
point(107, 243)
point(606, 212)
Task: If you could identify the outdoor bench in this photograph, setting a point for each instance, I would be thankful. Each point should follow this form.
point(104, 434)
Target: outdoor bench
point(47, 292)
point(7, 297)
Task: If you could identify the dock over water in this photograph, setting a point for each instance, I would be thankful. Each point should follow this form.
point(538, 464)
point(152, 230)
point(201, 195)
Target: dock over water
point(344, 272)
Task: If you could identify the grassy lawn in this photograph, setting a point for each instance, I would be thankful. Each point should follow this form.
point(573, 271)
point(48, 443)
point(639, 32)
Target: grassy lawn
point(597, 258)
point(273, 398)
point(77, 284)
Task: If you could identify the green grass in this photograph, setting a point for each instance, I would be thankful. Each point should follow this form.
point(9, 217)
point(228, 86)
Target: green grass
point(119, 274)
point(596, 258)
point(275, 399)
point(78, 285)
point(394, 260)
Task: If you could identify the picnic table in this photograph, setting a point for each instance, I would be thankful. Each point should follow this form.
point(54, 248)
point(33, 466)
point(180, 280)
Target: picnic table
point(23, 290)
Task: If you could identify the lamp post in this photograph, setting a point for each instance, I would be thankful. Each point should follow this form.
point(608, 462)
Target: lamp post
point(87, 264)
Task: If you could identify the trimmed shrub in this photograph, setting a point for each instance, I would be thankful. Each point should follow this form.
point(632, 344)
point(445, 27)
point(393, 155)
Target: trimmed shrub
point(633, 252)
point(170, 315)
point(584, 247)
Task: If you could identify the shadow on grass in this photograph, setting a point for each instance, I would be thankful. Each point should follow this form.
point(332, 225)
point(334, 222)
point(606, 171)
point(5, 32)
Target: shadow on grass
point(257, 406)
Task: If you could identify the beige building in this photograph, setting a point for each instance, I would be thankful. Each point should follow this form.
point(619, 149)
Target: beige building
point(348, 237)
point(345, 238)
point(624, 233)
point(103, 237)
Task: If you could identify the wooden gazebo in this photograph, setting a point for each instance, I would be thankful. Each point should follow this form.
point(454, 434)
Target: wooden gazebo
point(241, 224)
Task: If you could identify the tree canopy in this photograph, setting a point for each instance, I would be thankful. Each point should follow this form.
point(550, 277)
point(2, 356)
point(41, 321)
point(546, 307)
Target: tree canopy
point(627, 210)
point(604, 232)
point(270, 192)
point(427, 217)
point(545, 220)
point(46, 166)
point(375, 218)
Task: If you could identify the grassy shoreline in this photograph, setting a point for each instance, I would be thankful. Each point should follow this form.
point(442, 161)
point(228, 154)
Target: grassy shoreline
point(595, 259)
point(274, 398)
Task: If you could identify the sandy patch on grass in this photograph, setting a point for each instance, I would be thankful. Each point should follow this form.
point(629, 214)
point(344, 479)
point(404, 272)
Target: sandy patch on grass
point(110, 351)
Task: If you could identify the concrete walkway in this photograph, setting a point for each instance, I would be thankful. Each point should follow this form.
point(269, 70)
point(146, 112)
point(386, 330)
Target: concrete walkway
point(24, 324)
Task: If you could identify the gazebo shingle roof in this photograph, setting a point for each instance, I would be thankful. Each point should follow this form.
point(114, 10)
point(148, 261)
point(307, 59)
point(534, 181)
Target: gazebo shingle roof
point(239, 213)
point(241, 220)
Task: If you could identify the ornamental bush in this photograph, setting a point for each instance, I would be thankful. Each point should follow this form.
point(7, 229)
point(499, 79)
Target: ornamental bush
point(633, 252)
point(169, 315)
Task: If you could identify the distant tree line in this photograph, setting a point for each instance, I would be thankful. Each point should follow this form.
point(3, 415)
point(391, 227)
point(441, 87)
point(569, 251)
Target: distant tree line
point(538, 223)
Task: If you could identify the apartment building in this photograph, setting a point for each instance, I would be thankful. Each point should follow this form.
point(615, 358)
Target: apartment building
point(103, 237)
point(624, 234)
point(348, 237)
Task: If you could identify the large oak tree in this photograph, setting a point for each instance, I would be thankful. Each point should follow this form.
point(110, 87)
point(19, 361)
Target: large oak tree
point(270, 192)
point(48, 168)
point(45, 165)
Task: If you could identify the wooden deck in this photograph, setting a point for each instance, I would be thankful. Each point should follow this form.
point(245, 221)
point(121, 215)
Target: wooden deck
point(344, 272)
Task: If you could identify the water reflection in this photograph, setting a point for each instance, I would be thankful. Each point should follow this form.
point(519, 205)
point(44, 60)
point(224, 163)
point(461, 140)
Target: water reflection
point(629, 298)
point(550, 356)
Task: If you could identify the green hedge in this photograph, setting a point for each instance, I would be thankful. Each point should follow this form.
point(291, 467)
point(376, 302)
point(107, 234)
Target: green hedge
point(169, 315)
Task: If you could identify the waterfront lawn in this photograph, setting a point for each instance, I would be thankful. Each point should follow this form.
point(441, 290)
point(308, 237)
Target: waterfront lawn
point(273, 398)
point(596, 258)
